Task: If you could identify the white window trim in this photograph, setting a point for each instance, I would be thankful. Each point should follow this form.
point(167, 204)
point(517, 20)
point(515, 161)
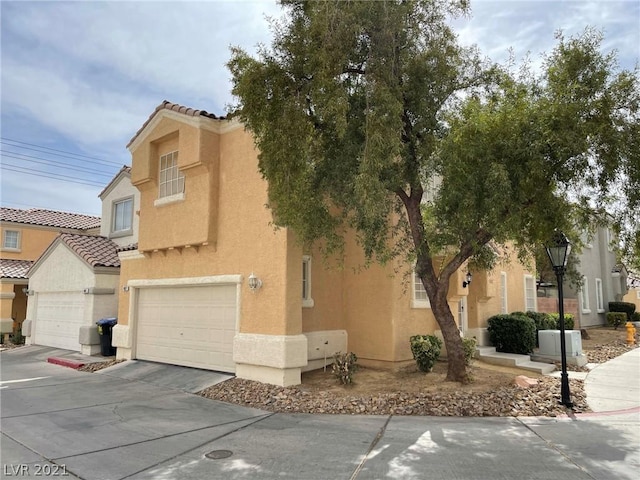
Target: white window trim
point(584, 296)
point(504, 301)
point(638, 294)
point(599, 296)
point(417, 303)
point(178, 197)
point(18, 248)
point(534, 297)
point(307, 300)
point(179, 176)
point(127, 231)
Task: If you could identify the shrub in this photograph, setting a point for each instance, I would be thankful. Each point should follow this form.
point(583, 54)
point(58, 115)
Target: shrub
point(635, 317)
point(344, 366)
point(543, 321)
point(469, 347)
point(615, 319)
point(426, 350)
point(625, 307)
point(512, 333)
point(568, 321)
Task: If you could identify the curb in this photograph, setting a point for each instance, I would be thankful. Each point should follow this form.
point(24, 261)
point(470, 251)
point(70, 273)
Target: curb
point(75, 364)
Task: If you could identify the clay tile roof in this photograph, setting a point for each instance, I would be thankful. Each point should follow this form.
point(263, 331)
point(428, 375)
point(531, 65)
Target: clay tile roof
point(167, 105)
point(49, 218)
point(127, 248)
point(14, 268)
point(96, 251)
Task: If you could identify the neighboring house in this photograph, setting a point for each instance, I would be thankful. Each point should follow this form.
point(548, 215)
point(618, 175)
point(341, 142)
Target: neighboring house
point(211, 284)
point(25, 234)
point(75, 281)
point(633, 294)
point(604, 279)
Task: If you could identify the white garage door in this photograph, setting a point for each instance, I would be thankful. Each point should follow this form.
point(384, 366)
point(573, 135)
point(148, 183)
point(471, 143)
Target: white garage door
point(190, 326)
point(58, 319)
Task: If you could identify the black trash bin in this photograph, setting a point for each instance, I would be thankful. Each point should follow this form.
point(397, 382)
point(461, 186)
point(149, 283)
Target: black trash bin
point(104, 329)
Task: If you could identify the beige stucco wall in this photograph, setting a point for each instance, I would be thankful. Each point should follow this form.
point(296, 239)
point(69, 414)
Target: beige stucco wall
point(120, 190)
point(633, 296)
point(33, 240)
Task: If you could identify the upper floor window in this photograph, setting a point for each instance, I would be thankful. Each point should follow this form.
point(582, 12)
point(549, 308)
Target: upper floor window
point(171, 179)
point(122, 215)
point(420, 298)
point(307, 301)
point(11, 240)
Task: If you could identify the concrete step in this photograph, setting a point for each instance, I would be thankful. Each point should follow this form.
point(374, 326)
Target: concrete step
point(489, 355)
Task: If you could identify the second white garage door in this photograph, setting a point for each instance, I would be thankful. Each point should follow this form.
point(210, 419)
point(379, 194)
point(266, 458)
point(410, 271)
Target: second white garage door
point(191, 326)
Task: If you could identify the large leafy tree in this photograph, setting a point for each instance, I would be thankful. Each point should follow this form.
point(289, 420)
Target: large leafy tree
point(359, 108)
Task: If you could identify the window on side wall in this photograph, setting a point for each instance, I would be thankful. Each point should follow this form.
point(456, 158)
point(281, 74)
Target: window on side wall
point(122, 216)
point(599, 296)
point(11, 240)
point(307, 300)
point(529, 293)
point(584, 296)
point(503, 293)
point(420, 299)
point(171, 179)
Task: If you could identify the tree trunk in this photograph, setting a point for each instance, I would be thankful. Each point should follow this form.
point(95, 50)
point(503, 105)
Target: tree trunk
point(457, 368)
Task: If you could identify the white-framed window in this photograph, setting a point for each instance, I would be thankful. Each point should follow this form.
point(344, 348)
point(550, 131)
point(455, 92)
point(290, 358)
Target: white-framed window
point(599, 296)
point(11, 240)
point(638, 294)
point(171, 179)
point(584, 296)
point(420, 299)
point(529, 293)
point(610, 240)
point(504, 308)
point(307, 300)
point(122, 215)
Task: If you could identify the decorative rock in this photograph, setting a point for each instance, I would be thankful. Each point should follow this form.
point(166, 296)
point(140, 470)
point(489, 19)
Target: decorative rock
point(523, 381)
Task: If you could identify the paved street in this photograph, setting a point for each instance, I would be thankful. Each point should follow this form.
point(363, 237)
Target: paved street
point(56, 420)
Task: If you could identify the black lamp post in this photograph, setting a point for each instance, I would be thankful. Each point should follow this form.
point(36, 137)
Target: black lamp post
point(558, 252)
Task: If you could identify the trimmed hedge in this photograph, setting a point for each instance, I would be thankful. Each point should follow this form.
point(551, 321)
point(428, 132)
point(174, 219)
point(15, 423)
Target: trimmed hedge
point(543, 321)
point(512, 333)
point(625, 307)
point(635, 317)
point(615, 319)
point(568, 321)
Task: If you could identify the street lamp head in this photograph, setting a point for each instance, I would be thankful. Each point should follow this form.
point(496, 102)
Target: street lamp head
point(558, 251)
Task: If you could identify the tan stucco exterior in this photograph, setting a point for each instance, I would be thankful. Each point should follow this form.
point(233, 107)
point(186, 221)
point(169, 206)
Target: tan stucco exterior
point(633, 296)
point(219, 231)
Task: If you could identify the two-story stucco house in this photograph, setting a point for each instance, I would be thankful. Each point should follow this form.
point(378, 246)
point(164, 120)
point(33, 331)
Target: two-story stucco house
point(75, 282)
point(25, 235)
point(211, 284)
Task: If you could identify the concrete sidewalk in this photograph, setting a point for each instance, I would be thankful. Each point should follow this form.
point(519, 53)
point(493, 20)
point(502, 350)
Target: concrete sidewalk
point(615, 385)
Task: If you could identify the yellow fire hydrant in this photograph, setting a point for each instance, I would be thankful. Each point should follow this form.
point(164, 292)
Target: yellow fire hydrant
point(631, 333)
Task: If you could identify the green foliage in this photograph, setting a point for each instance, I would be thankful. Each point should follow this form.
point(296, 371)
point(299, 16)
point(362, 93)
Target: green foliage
point(543, 321)
point(426, 351)
point(358, 107)
point(616, 319)
point(512, 333)
point(344, 367)
point(626, 307)
point(568, 321)
point(635, 317)
point(469, 347)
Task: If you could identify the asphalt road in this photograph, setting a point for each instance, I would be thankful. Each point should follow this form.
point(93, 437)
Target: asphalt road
point(57, 422)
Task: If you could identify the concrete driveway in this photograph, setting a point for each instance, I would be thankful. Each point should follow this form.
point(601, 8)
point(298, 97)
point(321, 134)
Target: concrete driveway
point(98, 426)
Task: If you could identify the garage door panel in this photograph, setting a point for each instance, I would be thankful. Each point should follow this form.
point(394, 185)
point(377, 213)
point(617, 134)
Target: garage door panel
point(191, 326)
point(59, 316)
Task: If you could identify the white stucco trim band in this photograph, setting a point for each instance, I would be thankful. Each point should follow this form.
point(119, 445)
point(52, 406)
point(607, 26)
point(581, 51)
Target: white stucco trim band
point(276, 351)
point(178, 282)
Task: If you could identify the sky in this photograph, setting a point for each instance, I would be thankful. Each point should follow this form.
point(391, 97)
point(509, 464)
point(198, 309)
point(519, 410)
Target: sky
point(78, 79)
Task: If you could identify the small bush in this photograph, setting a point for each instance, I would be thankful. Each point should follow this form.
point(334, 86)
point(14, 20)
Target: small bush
point(625, 307)
point(568, 321)
point(635, 317)
point(512, 333)
point(426, 350)
point(543, 321)
point(344, 366)
point(615, 319)
point(469, 347)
